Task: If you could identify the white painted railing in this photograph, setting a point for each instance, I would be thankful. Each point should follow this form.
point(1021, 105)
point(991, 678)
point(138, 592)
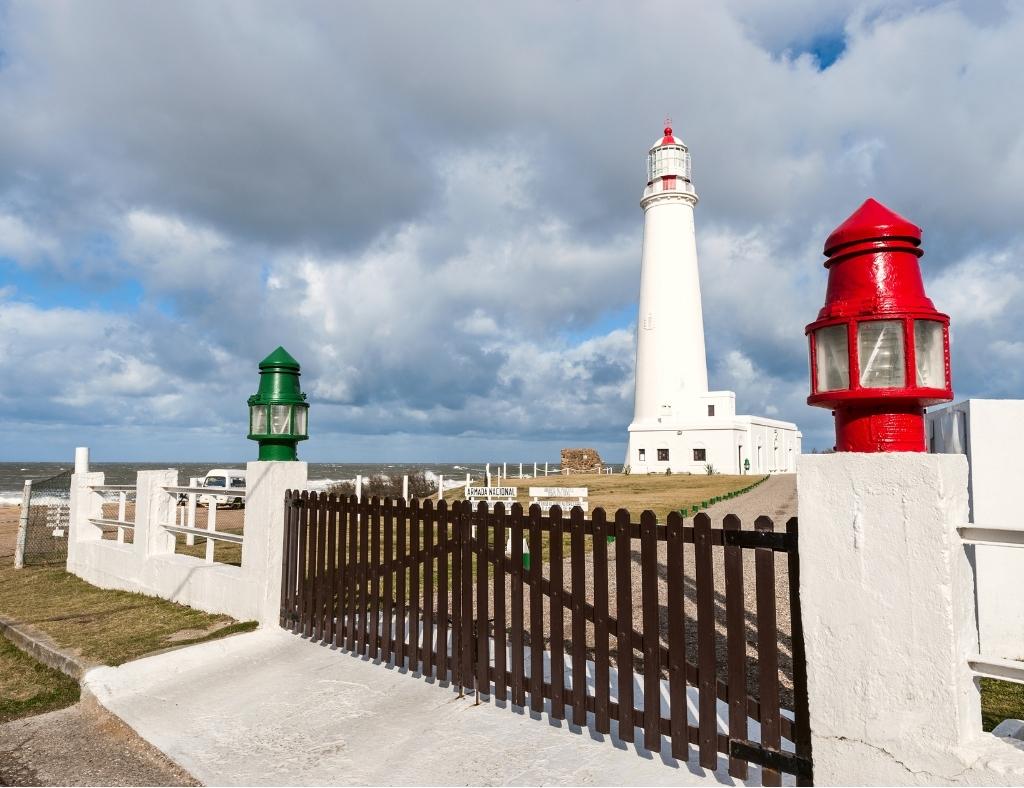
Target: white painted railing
point(994, 536)
point(119, 523)
point(185, 516)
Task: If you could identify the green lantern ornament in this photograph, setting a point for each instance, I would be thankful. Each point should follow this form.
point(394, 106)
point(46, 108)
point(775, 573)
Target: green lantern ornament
point(278, 411)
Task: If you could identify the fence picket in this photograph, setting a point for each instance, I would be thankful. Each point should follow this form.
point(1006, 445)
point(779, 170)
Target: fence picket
point(402, 515)
point(518, 656)
point(456, 597)
point(707, 704)
point(579, 623)
point(536, 614)
point(331, 516)
point(321, 568)
point(500, 680)
point(442, 590)
point(651, 636)
point(801, 723)
point(364, 562)
point(416, 516)
point(736, 646)
point(557, 613)
point(481, 628)
point(307, 587)
point(374, 578)
point(341, 581)
point(601, 657)
point(427, 606)
point(767, 651)
point(624, 613)
point(678, 728)
point(466, 615)
point(387, 633)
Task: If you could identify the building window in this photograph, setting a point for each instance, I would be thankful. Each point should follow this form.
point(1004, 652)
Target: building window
point(711, 410)
point(643, 455)
point(700, 455)
point(662, 455)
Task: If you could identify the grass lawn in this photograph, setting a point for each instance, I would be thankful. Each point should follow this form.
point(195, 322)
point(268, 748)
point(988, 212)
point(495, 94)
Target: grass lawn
point(28, 687)
point(661, 494)
point(1000, 700)
point(103, 626)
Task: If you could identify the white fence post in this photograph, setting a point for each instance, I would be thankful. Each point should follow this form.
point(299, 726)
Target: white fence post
point(405, 489)
point(440, 488)
point(504, 470)
point(19, 547)
point(359, 487)
point(487, 473)
point(545, 469)
point(262, 549)
point(82, 459)
point(887, 599)
point(84, 503)
point(154, 507)
point(535, 470)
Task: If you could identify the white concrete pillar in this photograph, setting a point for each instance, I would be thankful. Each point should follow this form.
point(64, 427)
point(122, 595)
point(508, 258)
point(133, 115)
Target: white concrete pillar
point(405, 488)
point(440, 488)
point(154, 507)
point(520, 470)
point(535, 470)
point(82, 459)
point(887, 596)
point(262, 550)
point(19, 546)
point(487, 473)
point(359, 487)
point(84, 503)
point(545, 469)
point(504, 470)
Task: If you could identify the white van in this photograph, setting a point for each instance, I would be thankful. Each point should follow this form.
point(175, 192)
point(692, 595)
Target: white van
point(226, 479)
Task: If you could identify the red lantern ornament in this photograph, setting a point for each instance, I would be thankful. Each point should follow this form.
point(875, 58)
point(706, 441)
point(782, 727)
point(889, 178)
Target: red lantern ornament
point(879, 348)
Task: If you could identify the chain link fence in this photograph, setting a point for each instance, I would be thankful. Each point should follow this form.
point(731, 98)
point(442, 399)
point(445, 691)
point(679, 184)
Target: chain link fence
point(45, 517)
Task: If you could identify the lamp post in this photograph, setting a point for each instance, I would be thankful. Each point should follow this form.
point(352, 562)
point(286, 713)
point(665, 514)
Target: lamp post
point(278, 412)
point(879, 349)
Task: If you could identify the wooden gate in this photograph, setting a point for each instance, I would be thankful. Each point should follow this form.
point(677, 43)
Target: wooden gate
point(510, 604)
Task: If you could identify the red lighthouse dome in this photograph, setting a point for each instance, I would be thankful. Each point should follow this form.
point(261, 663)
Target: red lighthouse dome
point(879, 350)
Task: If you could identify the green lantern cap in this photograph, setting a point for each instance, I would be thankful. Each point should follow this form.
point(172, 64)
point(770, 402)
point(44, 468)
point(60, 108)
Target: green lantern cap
point(278, 410)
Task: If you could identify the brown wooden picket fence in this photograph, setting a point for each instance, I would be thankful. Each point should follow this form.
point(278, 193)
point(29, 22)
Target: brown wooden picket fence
point(445, 590)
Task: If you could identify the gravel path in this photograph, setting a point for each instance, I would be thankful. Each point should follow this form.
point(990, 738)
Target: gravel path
point(81, 745)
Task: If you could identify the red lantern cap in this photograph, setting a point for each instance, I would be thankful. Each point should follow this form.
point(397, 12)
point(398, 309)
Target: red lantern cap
point(872, 221)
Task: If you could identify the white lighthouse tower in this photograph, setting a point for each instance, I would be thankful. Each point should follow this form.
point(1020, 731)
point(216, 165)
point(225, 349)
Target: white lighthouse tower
point(678, 424)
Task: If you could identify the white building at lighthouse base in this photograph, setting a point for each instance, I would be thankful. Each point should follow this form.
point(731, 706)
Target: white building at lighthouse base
point(713, 436)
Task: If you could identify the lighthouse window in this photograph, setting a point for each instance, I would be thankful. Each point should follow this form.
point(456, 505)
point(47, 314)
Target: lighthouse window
point(700, 455)
point(832, 358)
point(643, 455)
point(711, 410)
point(928, 347)
point(662, 455)
point(880, 348)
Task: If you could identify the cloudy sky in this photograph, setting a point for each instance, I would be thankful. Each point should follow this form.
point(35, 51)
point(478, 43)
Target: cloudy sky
point(434, 207)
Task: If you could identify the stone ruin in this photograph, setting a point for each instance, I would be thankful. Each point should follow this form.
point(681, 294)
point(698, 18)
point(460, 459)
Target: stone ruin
point(581, 461)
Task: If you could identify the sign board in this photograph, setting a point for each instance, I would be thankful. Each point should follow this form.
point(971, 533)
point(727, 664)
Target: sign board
point(558, 492)
point(491, 492)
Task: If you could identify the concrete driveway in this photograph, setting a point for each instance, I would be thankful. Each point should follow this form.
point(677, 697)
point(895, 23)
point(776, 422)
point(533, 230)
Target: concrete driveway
point(268, 708)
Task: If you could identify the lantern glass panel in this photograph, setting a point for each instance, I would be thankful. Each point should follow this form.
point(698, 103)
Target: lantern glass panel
point(301, 415)
point(929, 350)
point(280, 416)
point(881, 352)
point(258, 420)
point(832, 358)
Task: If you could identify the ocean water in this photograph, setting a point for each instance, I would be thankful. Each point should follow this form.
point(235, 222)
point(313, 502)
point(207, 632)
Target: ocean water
point(321, 474)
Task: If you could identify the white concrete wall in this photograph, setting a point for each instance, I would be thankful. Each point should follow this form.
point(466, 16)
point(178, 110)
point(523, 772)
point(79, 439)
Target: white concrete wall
point(991, 434)
point(886, 593)
point(150, 566)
